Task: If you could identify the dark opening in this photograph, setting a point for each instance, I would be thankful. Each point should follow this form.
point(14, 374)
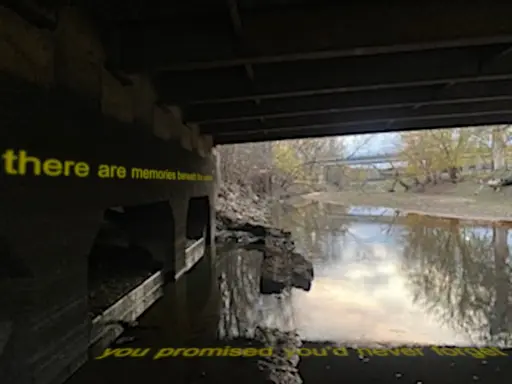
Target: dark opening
point(11, 267)
point(198, 219)
point(132, 244)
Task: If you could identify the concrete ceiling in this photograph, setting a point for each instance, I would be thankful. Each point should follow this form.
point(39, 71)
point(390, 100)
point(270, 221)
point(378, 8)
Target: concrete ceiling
point(251, 70)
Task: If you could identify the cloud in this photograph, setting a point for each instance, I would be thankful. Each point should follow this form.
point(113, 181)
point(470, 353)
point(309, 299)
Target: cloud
point(378, 143)
point(356, 300)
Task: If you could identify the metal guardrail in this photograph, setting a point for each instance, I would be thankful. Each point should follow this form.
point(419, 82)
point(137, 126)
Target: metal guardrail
point(377, 159)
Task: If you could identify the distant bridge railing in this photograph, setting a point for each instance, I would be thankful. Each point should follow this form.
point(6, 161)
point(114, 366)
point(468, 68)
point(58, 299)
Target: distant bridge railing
point(383, 159)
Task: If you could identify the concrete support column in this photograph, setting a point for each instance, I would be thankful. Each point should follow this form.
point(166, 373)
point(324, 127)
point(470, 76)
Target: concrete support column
point(71, 108)
point(179, 208)
point(45, 263)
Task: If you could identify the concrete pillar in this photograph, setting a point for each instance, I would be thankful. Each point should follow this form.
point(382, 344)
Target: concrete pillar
point(48, 225)
point(50, 278)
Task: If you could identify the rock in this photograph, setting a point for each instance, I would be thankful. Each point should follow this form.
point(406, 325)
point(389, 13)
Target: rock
point(242, 220)
point(284, 268)
point(270, 287)
point(237, 205)
point(500, 178)
point(494, 182)
point(280, 366)
point(238, 237)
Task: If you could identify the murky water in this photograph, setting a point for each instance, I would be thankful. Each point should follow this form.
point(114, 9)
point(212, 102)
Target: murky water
point(386, 278)
point(381, 279)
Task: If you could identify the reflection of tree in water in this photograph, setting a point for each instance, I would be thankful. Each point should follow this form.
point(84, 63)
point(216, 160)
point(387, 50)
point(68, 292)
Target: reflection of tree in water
point(309, 225)
point(321, 231)
point(324, 232)
point(460, 274)
point(245, 313)
point(243, 307)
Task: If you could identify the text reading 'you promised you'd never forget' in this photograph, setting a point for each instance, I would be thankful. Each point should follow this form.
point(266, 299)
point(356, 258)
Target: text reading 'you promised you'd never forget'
point(20, 163)
point(160, 353)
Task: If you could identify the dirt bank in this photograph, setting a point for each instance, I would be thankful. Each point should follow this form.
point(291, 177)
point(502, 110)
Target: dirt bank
point(237, 205)
point(449, 206)
point(243, 220)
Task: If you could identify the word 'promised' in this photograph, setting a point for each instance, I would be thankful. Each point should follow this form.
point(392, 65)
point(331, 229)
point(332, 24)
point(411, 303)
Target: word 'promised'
point(160, 353)
point(19, 163)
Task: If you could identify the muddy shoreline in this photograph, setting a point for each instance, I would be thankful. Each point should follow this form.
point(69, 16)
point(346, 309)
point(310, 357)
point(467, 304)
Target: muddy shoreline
point(448, 207)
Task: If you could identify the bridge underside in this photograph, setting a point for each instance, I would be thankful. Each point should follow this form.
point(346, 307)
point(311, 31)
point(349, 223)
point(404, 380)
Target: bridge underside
point(246, 70)
point(109, 84)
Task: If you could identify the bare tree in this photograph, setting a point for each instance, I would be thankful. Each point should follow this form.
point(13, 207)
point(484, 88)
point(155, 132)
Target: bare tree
point(299, 161)
point(246, 164)
point(499, 139)
point(431, 153)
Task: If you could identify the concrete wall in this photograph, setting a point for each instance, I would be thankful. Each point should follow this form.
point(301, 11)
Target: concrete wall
point(58, 101)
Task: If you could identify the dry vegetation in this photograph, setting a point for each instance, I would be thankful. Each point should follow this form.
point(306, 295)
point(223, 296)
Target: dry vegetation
point(427, 160)
point(276, 167)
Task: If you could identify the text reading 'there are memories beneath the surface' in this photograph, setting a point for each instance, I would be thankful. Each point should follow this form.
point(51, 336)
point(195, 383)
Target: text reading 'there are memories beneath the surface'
point(19, 163)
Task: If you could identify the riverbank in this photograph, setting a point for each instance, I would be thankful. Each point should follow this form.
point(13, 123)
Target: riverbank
point(439, 205)
point(243, 220)
point(238, 204)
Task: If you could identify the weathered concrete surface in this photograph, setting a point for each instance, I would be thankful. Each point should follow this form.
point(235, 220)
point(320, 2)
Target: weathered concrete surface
point(60, 102)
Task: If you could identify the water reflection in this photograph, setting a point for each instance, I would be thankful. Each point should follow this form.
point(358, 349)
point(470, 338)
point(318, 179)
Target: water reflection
point(381, 278)
point(247, 314)
point(462, 274)
point(243, 308)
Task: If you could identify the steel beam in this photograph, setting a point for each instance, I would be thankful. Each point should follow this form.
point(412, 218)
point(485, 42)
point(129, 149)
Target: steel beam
point(359, 117)
point(355, 101)
point(191, 41)
point(367, 128)
point(339, 75)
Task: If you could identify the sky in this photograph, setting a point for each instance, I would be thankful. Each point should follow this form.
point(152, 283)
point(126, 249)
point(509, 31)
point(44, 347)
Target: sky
point(378, 144)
